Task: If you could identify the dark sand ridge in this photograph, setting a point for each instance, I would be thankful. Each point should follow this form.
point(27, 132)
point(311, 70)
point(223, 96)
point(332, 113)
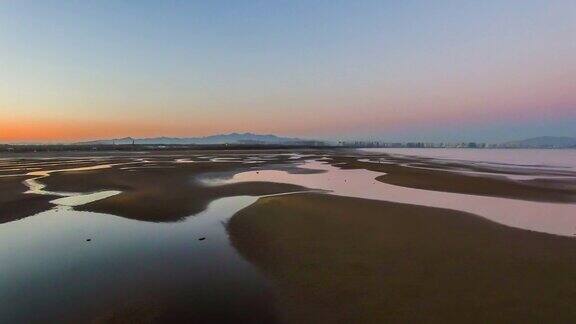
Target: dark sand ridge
point(339, 259)
point(161, 194)
point(462, 165)
point(164, 193)
point(439, 180)
point(21, 168)
point(14, 204)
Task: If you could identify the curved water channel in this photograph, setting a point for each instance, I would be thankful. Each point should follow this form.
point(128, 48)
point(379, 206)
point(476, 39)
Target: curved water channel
point(62, 259)
point(35, 186)
point(553, 218)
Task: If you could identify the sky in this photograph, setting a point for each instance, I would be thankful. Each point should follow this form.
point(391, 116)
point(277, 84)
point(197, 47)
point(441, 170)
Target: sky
point(491, 70)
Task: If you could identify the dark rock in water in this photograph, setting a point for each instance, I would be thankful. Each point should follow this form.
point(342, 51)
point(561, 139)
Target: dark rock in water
point(201, 239)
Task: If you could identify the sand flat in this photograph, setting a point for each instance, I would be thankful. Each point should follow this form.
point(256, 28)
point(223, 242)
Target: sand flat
point(387, 262)
point(149, 225)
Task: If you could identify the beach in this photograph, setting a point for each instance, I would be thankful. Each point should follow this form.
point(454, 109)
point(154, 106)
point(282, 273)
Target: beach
point(284, 236)
point(386, 262)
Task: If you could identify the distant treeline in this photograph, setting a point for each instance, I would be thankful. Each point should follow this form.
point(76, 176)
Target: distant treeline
point(24, 148)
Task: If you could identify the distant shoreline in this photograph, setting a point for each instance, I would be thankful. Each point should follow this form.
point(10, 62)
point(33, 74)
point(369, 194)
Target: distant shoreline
point(23, 148)
point(27, 148)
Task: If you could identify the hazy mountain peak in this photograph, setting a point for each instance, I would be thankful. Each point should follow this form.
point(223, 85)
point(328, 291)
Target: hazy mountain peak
point(544, 142)
point(231, 138)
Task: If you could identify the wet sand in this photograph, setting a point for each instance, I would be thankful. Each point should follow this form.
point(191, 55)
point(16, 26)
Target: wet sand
point(338, 259)
point(446, 181)
point(156, 188)
point(14, 204)
point(159, 194)
point(153, 186)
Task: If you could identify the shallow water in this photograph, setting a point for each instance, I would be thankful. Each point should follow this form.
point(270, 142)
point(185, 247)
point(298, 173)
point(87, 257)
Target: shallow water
point(82, 199)
point(537, 173)
point(49, 272)
point(35, 186)
point(554, 218)
point(551, 158)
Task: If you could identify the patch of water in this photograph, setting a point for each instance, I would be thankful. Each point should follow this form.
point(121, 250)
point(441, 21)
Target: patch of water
point(35, 186)
point(65, 266)
point(554, 218)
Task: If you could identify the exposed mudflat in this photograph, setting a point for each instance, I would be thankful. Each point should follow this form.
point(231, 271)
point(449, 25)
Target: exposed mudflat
point(266, 236)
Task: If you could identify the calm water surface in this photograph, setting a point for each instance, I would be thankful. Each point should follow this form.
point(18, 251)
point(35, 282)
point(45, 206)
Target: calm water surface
point(554, 218)
point(565, 159)
point(49, 272)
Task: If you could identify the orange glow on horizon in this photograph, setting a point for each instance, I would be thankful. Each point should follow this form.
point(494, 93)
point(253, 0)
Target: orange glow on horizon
point(314, 124)
point(64, 131)
point(73, 130)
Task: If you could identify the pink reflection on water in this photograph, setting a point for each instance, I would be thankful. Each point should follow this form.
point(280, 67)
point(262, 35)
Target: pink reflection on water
point(554, 218)
point(551, 158)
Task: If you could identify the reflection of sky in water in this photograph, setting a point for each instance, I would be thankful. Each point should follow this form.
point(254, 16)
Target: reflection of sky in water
point(46, 262)
point(78, 200)
point(538, 216)
point(519, 157)
point(68, 198)
point(48, 268)
point(501, 174)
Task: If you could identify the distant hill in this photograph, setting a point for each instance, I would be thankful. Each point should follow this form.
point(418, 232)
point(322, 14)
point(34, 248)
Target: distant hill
point(233, 138)
point(544, 142)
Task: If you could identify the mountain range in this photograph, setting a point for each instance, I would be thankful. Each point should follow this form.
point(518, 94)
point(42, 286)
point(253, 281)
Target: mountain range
point(269, 139)
point(543, 142)
point(233, 138)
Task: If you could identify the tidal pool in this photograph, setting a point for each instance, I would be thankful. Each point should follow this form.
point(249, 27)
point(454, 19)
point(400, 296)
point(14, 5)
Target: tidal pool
point(64, 265)
point(553, 218)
